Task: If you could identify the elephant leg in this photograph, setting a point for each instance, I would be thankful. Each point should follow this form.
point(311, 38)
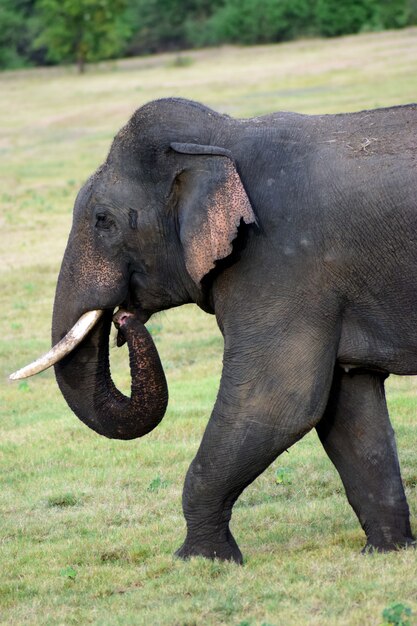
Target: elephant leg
point(262, 409)
point(358, 437)
point(228, 460)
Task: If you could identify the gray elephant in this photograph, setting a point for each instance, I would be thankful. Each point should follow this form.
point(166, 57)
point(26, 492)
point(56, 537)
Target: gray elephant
point(300, 234)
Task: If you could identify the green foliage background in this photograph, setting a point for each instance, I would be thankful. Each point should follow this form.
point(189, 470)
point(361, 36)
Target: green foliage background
point(39, 32)
point(81, 30)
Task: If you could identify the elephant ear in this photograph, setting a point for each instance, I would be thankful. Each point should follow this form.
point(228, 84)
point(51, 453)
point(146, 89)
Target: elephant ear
point(211, 202)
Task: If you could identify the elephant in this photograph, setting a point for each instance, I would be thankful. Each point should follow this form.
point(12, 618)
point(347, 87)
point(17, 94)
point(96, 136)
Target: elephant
point(299, 233)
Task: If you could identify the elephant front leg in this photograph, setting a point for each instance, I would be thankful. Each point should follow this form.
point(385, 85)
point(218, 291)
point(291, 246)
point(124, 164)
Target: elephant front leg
point(357, 435)
point(262, 409)
point(228, 460)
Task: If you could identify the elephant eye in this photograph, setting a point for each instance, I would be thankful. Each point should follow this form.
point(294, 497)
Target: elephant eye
point(104, 222)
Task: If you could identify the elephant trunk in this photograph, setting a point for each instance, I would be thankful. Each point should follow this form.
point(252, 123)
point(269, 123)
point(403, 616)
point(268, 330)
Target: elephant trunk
point(86, 384)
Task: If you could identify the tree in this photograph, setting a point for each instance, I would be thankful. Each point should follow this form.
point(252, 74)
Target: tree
point(336, 18)
point(17, 29)
point(257, 21)
point(165, 24)
point(82, 30)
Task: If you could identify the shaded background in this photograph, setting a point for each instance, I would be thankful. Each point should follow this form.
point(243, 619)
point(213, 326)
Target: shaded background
point(40, 32)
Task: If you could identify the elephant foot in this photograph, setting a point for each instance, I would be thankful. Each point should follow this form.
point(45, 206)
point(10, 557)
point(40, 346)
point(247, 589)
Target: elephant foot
point(226, 550)
point(382, 547)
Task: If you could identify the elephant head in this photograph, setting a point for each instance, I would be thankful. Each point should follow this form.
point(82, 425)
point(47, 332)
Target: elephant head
point(148, 227)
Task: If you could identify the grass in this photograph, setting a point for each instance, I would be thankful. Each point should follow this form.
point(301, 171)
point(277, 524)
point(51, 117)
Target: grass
point(88, 525)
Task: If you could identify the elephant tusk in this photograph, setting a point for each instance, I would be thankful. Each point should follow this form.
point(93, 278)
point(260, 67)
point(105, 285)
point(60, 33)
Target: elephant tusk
point(73, 337)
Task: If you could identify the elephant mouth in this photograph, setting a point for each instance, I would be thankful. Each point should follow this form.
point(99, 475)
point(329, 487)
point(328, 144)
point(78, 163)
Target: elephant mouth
point(126, 309)
point(119, 320)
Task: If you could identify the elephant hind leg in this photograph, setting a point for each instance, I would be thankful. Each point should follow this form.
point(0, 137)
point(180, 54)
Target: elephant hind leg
point(358, 437)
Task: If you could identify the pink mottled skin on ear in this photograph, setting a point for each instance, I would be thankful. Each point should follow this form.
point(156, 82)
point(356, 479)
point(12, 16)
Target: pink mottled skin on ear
point(226, 207)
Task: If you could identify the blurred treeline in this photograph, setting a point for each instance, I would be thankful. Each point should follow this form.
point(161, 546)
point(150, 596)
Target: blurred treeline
point(42, 32)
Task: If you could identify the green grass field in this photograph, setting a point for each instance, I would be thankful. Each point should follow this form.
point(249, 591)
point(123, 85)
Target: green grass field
point(88, 526)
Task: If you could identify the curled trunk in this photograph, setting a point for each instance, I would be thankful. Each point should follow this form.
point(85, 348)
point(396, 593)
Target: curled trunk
point(86, 384)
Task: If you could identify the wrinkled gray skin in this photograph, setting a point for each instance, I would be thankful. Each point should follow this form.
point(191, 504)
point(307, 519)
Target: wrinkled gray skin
point(316, 300)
